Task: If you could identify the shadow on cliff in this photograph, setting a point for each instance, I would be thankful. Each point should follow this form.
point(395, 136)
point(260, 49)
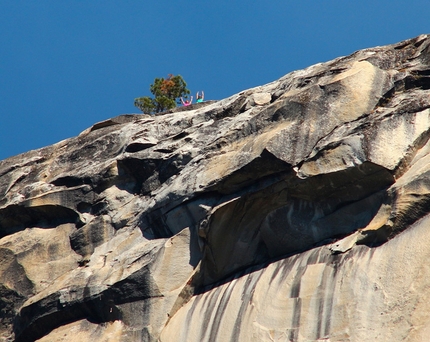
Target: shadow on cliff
point(40, 318)
point(15, 218)
point(289, 217)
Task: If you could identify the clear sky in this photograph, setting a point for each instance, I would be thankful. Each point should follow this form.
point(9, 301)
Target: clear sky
point(65, 65)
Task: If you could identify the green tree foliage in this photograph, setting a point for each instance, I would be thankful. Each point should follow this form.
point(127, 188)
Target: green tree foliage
point(167, 93)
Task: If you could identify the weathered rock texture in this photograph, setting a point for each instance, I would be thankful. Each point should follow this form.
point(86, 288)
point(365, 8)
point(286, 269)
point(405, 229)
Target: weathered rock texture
point(294, 211)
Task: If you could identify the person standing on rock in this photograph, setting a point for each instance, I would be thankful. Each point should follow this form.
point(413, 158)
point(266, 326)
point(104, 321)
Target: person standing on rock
point(187, 102)
point(200, 97)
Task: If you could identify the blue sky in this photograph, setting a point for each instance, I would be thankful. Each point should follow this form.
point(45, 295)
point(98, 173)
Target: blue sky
point(65, 65)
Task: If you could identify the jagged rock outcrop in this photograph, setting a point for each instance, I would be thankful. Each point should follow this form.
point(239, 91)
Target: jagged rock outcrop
point(294, 211)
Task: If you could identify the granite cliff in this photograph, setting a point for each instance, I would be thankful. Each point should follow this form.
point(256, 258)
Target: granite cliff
point(294, 211)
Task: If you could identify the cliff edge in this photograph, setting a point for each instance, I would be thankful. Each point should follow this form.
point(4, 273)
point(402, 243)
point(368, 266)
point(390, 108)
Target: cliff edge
point(294, 211)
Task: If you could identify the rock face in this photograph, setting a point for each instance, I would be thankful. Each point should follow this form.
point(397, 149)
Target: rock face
point(294, 211)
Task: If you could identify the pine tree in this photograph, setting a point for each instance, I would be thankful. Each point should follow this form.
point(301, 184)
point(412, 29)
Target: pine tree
point(167, 93)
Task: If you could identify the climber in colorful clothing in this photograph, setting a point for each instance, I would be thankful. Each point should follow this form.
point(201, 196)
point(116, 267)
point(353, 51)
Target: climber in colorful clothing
point(200, 97)
point(187, 102)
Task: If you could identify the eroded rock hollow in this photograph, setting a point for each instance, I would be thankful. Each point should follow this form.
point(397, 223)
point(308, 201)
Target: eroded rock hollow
point(294, 211)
